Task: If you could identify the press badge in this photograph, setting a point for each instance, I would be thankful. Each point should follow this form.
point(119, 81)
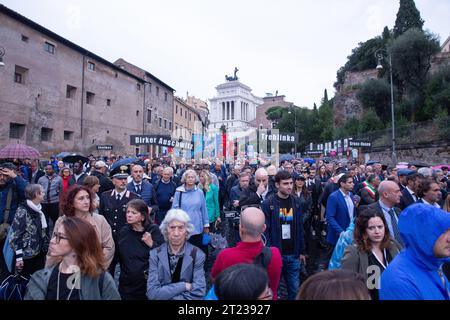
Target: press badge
point(286, 231)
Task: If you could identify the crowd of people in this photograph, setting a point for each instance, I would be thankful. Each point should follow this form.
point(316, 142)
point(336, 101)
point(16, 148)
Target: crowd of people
point(142, 229)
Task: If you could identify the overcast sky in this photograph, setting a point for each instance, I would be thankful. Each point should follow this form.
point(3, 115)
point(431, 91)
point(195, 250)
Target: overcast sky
point(293, 46)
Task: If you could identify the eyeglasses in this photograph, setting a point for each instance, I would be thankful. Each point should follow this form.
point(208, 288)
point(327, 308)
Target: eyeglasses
point(58, 237)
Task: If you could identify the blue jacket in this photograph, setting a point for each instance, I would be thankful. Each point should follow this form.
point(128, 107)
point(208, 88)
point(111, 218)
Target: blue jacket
point(147, 194)
point(18, 184)
point(413, 274)
point(271, 209)
point(337, 215)
point(194, 204)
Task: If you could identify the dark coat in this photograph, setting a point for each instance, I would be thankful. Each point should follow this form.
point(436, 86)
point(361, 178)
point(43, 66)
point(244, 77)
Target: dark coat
point(271, 209)
point(80, 180)
point(147, 194)
point(115, 212)
point(134, 255)
point(406, 199)
point(105, 183)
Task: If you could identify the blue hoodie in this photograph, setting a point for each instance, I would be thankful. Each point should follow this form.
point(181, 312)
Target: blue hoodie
point(414, 273)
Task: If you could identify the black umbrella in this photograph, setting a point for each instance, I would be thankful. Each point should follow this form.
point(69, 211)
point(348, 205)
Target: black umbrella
point(419, 164)
point(74, 157)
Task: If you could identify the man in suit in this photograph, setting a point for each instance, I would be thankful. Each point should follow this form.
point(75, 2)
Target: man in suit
point(36, 172)
point(402, 174)
point(369, 192)
point(143, 188)
point(409, 194)
point(257, 194)
point(113, 206)
point(389, 194)
point(340, 210)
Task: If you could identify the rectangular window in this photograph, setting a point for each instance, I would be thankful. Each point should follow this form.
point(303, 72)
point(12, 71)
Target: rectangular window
point(170, 125)
point(181, 111)
point(91, 66)
point(138, 86)
point(25, 38)
point(149, 87)
point(68, 135)
point(108, 102)
point(16, 130)
point(165, 96)
point(176, 109)
point(90, 97)
point(50, 48)
point(46, 134)
point(149, 116)
point(160, 122)
point(20, 74)
point(190, 119)
point(70, 92)
point(165, 124)
point(157, 91)
point(185, 114)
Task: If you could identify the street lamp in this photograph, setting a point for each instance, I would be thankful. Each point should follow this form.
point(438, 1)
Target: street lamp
point(292, 107)
point(381, 54)
point(2, 53)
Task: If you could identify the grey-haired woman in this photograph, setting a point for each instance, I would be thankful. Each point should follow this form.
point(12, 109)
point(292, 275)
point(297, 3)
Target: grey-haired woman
point(29, 235)
point(176, 267)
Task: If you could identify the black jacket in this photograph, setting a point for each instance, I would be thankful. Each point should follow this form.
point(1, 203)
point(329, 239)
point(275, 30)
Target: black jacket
point(249, 197)
point(105, 183)
point(134, 261)
point(406, 199)
point(115, 212)
point(80, 180)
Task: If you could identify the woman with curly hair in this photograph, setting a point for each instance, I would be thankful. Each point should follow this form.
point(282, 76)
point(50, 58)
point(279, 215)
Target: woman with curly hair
point(78, 201)
point(372, 250)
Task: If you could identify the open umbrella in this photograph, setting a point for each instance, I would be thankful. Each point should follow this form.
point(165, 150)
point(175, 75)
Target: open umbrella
point(19, 151)
point(63, 154)
point(123, 162)
point(309, 160)
point(440, 166)
point(419, 164)
point(286, 157)
point(75, 157)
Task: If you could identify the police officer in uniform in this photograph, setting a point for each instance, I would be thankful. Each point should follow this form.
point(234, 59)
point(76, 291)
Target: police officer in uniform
point(113, 206)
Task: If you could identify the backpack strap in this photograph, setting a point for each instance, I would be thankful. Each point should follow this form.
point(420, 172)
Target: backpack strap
point(8, 205)
point(101, 281)
point(264, 257)
point(179, 199)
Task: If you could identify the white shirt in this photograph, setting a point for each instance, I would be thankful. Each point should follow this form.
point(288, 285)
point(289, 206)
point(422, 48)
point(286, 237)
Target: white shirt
point(387, 216)
point(350, 204)
point(122, 194)
point(413, 195)
point(434, 204)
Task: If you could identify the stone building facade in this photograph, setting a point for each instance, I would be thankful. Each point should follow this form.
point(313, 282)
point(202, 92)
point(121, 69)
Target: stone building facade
point(57, 96)
point(261, 121)
point(234, 106)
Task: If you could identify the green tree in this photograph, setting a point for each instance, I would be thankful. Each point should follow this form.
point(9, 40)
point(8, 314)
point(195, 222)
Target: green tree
point(376, 94)
point(411, 60)
point(275, 113)
point(362, 58)
point(370, 122)
point(437, 93)
point(407, 17)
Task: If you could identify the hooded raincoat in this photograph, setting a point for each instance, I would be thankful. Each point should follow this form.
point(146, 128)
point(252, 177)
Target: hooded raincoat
point(416, 274)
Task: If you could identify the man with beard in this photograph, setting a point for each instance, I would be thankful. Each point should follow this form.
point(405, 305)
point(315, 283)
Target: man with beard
point(285, 230)
point(78, 174)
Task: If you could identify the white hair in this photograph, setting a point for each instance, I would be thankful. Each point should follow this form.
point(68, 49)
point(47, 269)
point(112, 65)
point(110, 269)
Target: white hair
point(426, 172)
point(168, 169)
point(186, 173)
point(178, 215)
point(261, 172)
